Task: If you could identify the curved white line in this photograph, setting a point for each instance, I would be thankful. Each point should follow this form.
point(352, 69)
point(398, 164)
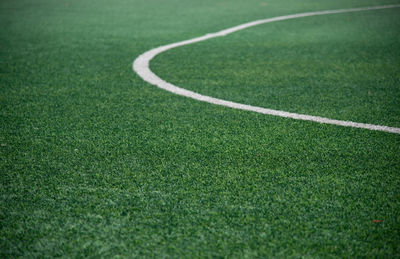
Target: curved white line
point(141, 67)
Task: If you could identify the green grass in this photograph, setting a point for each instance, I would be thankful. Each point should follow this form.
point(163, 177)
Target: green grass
point(96, 162)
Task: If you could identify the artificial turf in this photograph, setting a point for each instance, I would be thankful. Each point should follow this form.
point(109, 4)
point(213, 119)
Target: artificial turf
point(96, 162)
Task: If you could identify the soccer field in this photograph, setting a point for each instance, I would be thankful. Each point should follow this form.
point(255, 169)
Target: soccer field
point(97, 162)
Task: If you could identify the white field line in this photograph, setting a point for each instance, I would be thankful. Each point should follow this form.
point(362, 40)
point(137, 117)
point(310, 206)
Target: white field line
point(141, 67)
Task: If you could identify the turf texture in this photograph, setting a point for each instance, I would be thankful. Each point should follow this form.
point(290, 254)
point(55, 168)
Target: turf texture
point(94, 162)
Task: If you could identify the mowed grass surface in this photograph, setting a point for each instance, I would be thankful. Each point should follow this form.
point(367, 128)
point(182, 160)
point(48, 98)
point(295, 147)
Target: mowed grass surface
point(96, 162)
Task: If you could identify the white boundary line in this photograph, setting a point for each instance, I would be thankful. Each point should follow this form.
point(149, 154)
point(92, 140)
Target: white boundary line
point(141, 67)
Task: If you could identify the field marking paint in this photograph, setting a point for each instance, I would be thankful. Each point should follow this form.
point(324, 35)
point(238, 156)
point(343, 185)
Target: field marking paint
point(141, 67)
